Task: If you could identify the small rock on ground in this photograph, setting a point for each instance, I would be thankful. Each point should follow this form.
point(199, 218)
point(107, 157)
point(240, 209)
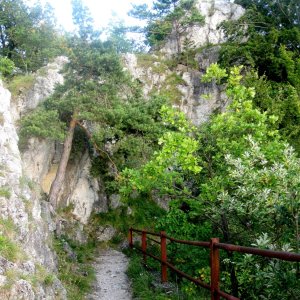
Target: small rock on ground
point(111, 280)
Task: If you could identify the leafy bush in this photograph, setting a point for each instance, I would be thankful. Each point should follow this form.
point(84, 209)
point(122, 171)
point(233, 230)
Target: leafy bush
point(7, 66)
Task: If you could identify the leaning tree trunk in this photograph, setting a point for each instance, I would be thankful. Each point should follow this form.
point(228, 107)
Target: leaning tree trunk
point(61, 172)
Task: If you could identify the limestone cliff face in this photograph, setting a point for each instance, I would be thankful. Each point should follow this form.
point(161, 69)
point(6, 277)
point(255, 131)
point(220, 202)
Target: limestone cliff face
point(182, 84)
point(44, 83)
point(25, 219)
point(25, 223)
point(41, 156)
point(187, 92)
point(215, 12)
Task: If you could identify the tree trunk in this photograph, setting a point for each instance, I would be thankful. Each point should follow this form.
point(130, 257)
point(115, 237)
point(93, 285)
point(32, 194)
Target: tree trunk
point(61, 172)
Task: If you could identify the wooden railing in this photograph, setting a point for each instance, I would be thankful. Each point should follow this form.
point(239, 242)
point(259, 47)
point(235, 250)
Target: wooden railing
point(214, 245)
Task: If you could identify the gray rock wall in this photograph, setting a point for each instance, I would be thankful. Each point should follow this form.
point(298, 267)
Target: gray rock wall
point(197, 100)
point(41, 156)
point(215, 12)
point(30, 233)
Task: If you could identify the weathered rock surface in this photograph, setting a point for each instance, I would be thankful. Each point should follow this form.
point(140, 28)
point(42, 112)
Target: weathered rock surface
point(215, 12)
point(105, 233)
point(20, 203)
point(197, 100)
point(44, 84)
point(148, 77)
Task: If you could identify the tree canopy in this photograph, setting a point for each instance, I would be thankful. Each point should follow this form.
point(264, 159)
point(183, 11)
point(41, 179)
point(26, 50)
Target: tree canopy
point(166, 17)
point(27, 34)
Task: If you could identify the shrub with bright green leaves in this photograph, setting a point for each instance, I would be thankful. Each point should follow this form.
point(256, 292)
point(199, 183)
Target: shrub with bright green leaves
point(264, 278)
point(175, 158)
point(7, 66)
point(247, 185)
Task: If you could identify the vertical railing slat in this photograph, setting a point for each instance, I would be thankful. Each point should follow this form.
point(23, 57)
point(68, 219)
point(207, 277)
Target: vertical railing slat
point(144, 246)
point(214, 269)
point(130, 241)
point(163, 248)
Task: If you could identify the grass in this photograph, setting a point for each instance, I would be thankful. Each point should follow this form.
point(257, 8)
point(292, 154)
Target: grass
point(75, 273)
point(26, 182)
point(41, 276)
point(5, 192)
point(8, 248)
point(144, 214)
point(142, 281)
point(20, 83)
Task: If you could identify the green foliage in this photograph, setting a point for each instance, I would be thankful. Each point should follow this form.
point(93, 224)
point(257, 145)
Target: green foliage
point(43, 124)
point(5, 192)
point(117, 36)
point(266, 277)
point(266, 37)
point(166, 16)
point(144, 213)
point(82, 20)
point(281, 100)
point(146, 283)
point(20, 83)
point(27, 34)
point(142, 281)
point(174, 158)
point(6, 66)
point(247, 186)
point(75, 272)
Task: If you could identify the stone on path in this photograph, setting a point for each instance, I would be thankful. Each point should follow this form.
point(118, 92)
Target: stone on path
point(111, 279)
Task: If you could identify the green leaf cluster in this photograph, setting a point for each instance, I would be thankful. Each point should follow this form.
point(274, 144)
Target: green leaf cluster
point(165, 17)
point(168, 165)
point(267, 38)
point(27, 34)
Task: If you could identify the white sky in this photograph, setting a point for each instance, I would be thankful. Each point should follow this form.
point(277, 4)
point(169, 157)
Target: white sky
point(101, 11)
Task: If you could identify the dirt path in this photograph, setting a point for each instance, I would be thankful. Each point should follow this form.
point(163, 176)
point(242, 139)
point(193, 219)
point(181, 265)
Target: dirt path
point(111, 280)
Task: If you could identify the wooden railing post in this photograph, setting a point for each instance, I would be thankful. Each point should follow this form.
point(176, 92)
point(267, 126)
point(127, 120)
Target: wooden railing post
point(214, 269)
point(130, 242)
point(163, 249)
point(144, 246)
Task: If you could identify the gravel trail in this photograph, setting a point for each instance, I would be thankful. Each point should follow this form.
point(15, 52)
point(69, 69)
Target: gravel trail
point(111, 280)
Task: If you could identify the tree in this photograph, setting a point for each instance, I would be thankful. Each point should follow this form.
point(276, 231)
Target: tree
point(267, 38)
point(167, 17)
point(83, 21)
point(117, 35)
point(99, 101)
point(257, 38)
point(27, 35)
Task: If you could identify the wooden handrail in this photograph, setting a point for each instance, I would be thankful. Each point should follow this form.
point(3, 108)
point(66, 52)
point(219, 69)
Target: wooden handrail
point(214, 245)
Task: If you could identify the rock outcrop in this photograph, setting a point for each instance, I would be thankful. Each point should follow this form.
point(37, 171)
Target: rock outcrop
point(198, 100)
point(41, 156)
point(183, 84)
point(24, 227)
point(215, 12)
